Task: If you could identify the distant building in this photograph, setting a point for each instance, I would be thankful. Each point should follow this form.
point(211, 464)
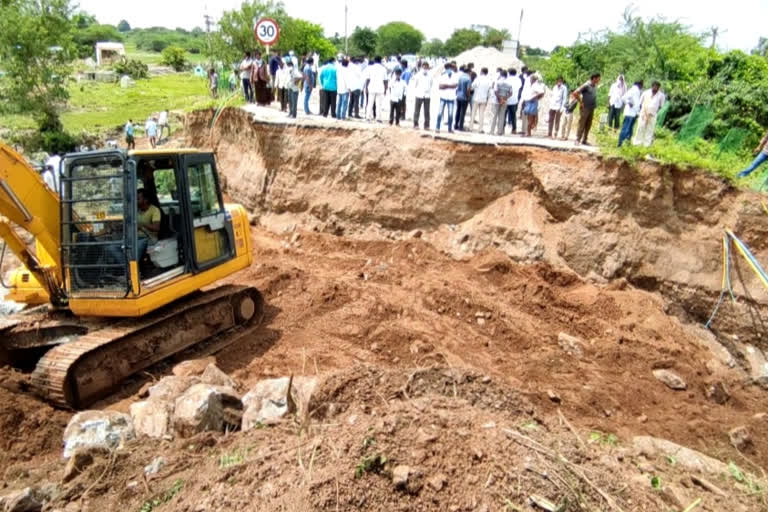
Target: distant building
point(107, 52)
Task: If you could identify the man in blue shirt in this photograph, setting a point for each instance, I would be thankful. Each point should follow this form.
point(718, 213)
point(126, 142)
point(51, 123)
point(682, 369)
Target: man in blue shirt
point(309, 83)
point(328, 84)
point(462, 98)
point(274, 65)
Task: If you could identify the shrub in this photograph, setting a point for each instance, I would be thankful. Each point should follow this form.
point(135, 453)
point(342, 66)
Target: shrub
point(132, 67)
point(175, 57)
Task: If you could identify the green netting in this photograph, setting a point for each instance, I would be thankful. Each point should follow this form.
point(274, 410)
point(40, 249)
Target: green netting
point(662, 115)
point(733, 141)
point(698, 120)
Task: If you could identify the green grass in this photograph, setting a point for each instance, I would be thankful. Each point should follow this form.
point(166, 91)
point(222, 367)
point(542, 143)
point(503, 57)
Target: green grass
point(700, 154)
point(99, 107)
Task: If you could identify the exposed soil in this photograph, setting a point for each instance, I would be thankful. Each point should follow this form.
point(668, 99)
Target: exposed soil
point(429, 297)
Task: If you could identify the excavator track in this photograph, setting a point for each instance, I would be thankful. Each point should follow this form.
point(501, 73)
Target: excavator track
point(75, 374)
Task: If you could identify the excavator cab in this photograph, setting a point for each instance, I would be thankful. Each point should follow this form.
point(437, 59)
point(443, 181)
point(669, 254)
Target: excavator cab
point(108, 252)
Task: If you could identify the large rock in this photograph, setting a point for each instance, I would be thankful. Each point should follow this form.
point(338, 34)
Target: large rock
point(653, 447)
point(758, 366)
point(29, 499)
point(193, 367)
point(212, 375)
point(206, 407)
point(152, 418)
point(269, 400)
point(670, 379)
point(171, 387)
point(97, 429)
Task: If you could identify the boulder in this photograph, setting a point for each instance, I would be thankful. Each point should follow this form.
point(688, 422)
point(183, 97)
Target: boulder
point(670, 379)
point(30, 499)
point(171, 387)
point(206, 407)
point(269, 400)
point(193, 367)
point(758, 366)
point(691, 460)
point(104, 430)
point(212, 375)
point(740, 438)
point(152, 418)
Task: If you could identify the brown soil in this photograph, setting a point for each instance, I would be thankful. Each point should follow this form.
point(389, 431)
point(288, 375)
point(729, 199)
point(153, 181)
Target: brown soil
point(429, 346)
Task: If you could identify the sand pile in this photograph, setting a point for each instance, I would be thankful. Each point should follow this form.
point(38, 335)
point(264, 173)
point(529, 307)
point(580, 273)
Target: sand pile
point(490, 58)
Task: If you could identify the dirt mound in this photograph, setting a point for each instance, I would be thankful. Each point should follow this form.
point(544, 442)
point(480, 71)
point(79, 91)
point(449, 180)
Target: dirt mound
point(29, 428)
point(656, 226)
point(490, 58)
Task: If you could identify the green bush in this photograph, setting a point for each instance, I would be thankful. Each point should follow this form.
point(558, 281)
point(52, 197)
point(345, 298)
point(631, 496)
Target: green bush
point(50, 141)
point(175, 57)
point(131, 67)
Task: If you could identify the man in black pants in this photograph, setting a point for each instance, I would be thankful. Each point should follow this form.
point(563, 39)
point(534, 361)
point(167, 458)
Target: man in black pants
point(587, 97)
point(422, 88)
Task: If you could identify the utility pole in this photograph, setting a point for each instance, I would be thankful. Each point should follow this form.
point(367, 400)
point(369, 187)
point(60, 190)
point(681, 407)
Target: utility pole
point(519, 29)
point(346, 43)
point(208, 24)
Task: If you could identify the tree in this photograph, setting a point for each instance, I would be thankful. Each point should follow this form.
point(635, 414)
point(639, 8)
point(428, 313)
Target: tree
point(123, 26)
point(363, 40)
point(494, 38)
point(235, 34)
point(398, 37)
point(175, 57)
point(461, 40)
point(433, 48)
point(36, 51)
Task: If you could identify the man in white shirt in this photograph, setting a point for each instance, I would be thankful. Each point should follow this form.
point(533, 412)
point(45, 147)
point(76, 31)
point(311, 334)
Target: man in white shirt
point(650, 103)
point(396, 95)
point(525, 79)
point(375, 87)
point(342, 88)
point(162, 124)
point(481, 90)
point(615, 102)
point(557, 100)
point(355, 84)
point(422, 91)
point(447, 88)
point(51, 172)
point(245, 75)
point(531, 98)
point(514, 82)
point(631, 102)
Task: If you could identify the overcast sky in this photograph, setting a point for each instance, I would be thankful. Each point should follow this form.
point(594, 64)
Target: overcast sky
point(545, 23)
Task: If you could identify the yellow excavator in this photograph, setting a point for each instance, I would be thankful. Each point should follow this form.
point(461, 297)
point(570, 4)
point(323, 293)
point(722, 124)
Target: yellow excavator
point(114, 262)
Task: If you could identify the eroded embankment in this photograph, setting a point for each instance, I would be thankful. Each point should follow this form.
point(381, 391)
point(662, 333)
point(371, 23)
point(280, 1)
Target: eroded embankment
point(656, 226)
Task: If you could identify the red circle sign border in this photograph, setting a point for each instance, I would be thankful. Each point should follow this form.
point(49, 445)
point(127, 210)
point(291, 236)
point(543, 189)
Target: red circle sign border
point(256, 32)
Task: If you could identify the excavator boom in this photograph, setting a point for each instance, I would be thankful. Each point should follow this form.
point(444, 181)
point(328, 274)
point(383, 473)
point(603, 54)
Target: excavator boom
point(27, 202)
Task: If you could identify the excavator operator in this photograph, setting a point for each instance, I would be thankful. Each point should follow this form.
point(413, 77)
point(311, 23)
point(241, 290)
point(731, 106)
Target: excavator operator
point(148, 227)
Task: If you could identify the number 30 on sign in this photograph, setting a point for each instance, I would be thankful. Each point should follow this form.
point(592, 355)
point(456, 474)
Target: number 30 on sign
point(267, 31)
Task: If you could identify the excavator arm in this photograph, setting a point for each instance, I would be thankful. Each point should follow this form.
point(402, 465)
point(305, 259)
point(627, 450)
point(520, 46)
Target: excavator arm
point(26, 202)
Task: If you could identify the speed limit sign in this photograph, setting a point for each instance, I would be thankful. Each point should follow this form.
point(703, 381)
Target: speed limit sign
point(267, 31)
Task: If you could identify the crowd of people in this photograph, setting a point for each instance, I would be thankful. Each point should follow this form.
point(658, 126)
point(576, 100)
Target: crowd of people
point(510, 99)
